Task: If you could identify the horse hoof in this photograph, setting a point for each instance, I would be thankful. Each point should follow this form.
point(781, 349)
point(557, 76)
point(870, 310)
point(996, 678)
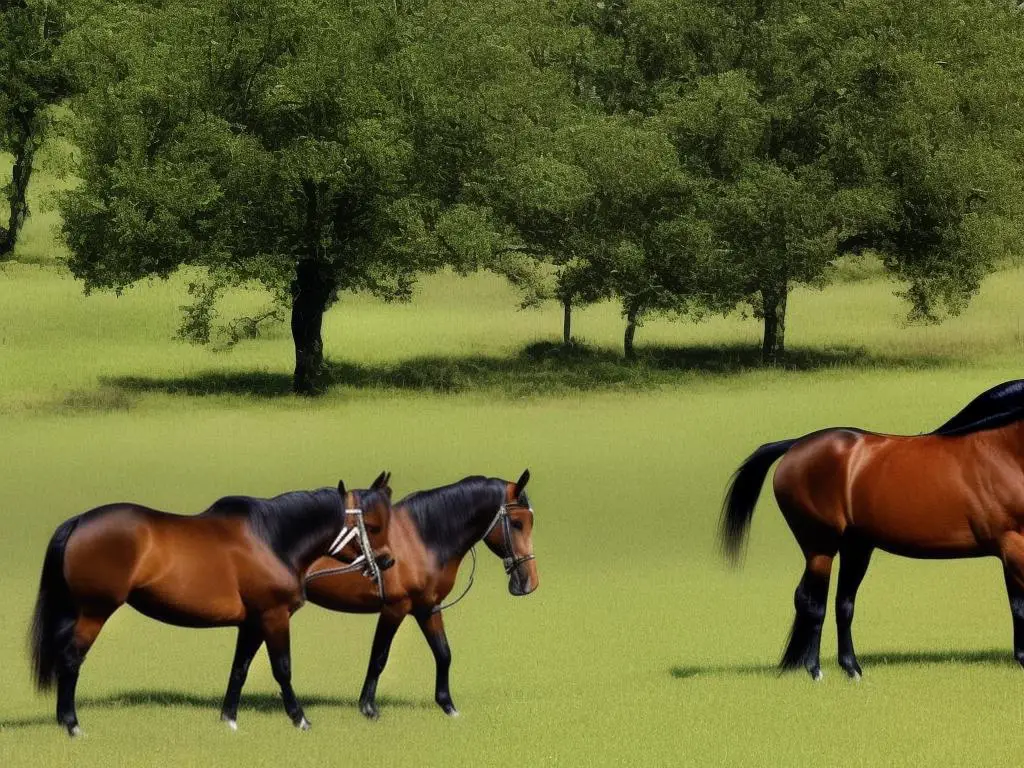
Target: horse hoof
point(450, 710)
point(75, 731)
point(816, 675)
point(369, 711)
point(303, 724)
point(230, 722)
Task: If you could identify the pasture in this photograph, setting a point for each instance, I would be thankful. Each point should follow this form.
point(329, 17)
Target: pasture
point(640, 646)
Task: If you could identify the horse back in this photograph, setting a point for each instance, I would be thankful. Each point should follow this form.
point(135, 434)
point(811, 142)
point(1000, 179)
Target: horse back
point(200, 570)
point(922, 496)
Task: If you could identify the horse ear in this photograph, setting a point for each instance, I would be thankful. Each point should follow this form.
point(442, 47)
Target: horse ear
point(379, 482)
point(387, 479)
point(341, 488)
point(522, 481)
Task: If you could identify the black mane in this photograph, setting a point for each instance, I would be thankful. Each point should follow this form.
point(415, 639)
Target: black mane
point(997, 407)
point(445, 516)
point(291, 523)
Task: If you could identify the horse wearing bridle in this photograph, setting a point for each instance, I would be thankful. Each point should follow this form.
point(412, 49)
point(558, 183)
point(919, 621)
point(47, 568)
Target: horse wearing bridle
point(239, 563)
point(431, 533)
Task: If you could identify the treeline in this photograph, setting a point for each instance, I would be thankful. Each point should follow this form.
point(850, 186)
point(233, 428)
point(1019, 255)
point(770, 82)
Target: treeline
point(678, 156)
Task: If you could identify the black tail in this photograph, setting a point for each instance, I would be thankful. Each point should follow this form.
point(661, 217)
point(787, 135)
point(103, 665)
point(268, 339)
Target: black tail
point(741, 496)
point(54, 616)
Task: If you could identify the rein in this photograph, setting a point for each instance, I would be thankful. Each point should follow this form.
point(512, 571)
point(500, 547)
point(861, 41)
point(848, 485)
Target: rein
point(510, 561)
point(345, 535)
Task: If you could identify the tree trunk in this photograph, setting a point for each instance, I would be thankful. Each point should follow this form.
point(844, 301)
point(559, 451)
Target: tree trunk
point(310, 295)
point(632, 317)
point(312, 288)
point(773, 299)
point(24, 152)
point(566, 322)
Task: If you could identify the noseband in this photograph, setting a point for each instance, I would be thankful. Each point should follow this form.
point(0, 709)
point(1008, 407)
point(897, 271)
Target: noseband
point(510, 560)
point(345, 535)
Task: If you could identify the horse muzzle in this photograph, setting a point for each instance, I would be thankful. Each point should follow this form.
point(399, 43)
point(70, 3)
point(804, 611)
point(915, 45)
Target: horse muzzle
point(522, 580)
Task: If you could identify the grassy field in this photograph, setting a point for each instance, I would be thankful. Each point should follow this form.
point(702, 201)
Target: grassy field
point(638, 647)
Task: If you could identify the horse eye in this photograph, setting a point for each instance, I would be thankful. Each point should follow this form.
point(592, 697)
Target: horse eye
point(373, 529)
point(517, 525)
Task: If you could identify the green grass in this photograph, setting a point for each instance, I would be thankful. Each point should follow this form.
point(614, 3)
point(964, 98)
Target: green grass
point(640, 646)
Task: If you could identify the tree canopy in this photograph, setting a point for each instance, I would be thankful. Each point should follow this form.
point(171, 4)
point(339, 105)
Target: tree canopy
point(678, 156)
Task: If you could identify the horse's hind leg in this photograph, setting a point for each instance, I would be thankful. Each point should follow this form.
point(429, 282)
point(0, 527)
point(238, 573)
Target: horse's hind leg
point(854, 557)
point(78, 639)
point(1011, 549)
point(250, 638)
point(803, 648)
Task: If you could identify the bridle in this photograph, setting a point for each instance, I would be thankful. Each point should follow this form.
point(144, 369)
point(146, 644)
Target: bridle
point(345, 535)
point(510, 560)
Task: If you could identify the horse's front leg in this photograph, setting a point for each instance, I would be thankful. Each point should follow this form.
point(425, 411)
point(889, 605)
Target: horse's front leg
point(387, 626)
point(274, 624)
point(432, 625)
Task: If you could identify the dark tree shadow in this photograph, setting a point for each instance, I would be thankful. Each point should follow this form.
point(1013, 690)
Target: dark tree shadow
point(251, 702)
point(539, 368)
point(991, 656)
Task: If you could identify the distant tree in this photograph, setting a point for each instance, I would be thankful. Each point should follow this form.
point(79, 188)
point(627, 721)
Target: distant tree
point(607, 198)
point(486, 107)
point(591, 187)
point(829, 127)
point(815, 128)
point(262, 140)
point(32, 79)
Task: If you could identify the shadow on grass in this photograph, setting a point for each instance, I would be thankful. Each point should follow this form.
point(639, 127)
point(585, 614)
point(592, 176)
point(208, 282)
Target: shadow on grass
point(992, 656)
point(252, 702)
point(539, 368)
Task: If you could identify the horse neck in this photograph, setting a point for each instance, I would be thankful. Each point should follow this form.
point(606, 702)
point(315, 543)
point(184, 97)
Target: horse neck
point(479, 512)
point(310, 529)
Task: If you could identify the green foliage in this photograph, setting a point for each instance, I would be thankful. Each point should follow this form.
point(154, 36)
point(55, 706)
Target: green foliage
point(680, 157)
point(32, 79)
point(208, 131)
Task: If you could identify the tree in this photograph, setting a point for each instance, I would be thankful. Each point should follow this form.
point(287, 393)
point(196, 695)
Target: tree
point(622, 218)
point(32, 79)
point(828, 127)
point(261, 140)
point(594, 190)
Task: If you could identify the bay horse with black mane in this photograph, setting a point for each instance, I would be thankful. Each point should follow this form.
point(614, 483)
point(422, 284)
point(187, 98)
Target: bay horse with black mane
point(239, 563)
point(431, 532)
point(955, 492)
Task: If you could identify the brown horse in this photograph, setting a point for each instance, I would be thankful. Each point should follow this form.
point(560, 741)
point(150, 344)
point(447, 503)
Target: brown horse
point(239, 563)
point(431, 532)
point(955, 492)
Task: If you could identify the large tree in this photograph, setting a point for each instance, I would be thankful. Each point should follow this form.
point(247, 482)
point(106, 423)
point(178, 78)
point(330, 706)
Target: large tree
point(262, 140)
point(814, 128)
point(829, 127)
point(32, 79)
